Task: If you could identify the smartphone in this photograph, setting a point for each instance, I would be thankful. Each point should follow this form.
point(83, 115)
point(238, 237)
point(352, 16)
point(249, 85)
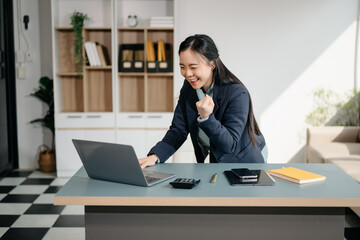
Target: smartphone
point(263, 179)
point(234, 180)
point(244, 173)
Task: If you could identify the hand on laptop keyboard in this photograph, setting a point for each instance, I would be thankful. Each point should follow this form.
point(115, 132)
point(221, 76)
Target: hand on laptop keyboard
point(148, 161)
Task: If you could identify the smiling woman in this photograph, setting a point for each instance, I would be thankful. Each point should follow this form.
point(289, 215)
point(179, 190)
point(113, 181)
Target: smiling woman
point(214, 107)
point(196, 69)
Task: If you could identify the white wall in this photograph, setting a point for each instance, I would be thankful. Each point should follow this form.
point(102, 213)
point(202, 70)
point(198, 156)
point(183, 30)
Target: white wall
point(30, 137)
point(282, 50)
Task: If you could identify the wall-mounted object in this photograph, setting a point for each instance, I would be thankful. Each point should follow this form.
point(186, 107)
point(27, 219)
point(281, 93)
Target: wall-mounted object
point(26, 21)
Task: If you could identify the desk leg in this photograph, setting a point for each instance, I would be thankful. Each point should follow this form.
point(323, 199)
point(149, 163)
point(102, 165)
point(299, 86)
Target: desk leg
point(179, 223)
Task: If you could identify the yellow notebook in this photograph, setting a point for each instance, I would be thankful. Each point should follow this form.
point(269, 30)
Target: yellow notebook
point(296, 175)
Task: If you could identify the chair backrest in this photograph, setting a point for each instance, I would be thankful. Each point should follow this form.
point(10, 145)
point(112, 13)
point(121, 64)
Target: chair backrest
point(264, 152)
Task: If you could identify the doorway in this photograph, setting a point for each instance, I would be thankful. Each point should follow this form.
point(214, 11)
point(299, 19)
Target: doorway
point(8, 121)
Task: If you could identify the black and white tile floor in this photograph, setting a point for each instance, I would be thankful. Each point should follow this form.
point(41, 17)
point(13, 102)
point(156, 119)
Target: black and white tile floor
point(27, 210)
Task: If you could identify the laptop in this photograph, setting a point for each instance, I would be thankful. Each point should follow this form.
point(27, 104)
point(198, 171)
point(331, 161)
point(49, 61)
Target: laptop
point(116, 163)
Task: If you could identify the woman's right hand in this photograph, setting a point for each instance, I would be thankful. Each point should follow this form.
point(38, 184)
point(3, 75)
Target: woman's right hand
point(148, 161)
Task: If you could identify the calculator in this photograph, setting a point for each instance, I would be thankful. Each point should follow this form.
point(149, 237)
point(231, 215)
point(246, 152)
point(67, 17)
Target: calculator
point(185, 183)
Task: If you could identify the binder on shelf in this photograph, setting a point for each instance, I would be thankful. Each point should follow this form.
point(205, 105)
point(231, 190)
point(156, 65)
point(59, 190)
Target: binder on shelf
point(151, 64)
point(296, 175)
point(139, 58)
point(125, 58)
point(164, 54)
point(131, 58)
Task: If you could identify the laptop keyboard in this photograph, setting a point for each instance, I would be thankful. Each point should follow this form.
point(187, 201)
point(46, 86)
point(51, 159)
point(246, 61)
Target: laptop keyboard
point(152, 179)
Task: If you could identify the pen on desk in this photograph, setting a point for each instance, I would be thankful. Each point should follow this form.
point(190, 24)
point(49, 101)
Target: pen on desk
point(213, 178)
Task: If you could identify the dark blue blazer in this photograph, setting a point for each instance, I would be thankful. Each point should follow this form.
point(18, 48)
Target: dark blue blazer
point(226, 127)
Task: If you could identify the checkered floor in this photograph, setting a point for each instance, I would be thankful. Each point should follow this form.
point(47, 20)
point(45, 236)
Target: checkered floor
point(27, 210)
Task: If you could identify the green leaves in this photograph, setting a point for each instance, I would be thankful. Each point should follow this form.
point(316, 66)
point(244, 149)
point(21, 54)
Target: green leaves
point(334, 109)
point(350, 110)
point(77, 21)
point(45, 93)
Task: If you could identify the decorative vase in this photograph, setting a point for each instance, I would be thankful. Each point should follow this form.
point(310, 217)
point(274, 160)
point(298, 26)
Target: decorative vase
point(47, 160)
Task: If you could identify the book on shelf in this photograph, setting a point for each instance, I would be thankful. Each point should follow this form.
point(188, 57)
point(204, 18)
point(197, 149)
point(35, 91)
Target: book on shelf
point(92, 54)
point(106, 56)
point(104, 59)
point(150, 50)
point(296, 175)
point(89, 54)
point(161, 50)
point(162, 21)
point(96, 55)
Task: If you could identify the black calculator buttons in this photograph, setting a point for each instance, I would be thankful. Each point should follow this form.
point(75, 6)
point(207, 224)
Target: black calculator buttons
point(185, 183)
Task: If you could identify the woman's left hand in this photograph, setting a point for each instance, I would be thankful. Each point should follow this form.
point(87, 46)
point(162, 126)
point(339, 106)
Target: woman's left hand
point(205, 106)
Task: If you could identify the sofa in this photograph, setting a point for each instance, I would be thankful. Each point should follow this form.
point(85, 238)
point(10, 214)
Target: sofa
point(337, 145)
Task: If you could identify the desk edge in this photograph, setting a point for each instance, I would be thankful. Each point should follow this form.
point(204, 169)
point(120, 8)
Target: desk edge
point(203, 201)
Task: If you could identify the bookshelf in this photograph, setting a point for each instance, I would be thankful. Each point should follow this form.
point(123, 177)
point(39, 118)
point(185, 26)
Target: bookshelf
point(98, 80)
point(104, 103)
point(91, 89)
point(70, 81)
point(147, 91)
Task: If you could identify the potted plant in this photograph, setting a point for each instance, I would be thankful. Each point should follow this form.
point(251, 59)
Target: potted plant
point(77, 21)
point(45, 93)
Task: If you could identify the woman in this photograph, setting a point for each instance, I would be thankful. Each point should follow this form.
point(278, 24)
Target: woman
point(214, 106)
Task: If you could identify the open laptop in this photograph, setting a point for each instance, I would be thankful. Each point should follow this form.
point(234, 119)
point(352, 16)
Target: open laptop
point(116, 163)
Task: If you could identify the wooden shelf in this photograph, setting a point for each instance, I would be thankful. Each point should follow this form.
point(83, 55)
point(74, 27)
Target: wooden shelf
point(92, 89)
point(85, 28)
point(134, 74)
point(98, 68)
point(69, 74)
point(146, 91)
point(98, 91)
point(124, 74)
point(145, 28)
point(72, 89)
point(66, 51)
point(160, 74)
point(132, 94)
point(97, 28)
point(159, 94)
point(64, 29)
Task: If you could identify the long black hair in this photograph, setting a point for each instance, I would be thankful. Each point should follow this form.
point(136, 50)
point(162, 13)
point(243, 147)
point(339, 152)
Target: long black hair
point(206, 47)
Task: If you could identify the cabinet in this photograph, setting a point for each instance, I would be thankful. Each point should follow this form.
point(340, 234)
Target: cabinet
point(105, 103)
point(140, 138)
point(69, 160)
